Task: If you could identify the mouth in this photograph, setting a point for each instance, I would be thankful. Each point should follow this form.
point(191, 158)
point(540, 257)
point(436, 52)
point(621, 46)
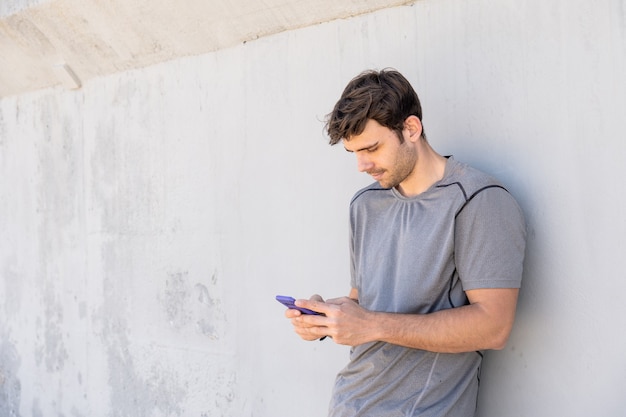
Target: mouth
point(377, 175)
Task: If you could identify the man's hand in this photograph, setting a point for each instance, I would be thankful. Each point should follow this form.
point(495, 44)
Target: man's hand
point(344, 320)
point(307, 329)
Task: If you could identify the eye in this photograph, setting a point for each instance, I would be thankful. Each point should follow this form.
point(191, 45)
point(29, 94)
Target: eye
point(372, 149)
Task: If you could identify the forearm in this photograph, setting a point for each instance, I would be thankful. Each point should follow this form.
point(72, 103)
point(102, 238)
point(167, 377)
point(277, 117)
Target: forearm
point(463, 329)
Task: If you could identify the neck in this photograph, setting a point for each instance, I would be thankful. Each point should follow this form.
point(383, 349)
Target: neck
point(429, 168)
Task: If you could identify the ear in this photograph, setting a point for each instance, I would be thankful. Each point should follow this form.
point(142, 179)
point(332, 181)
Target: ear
point(414, 126)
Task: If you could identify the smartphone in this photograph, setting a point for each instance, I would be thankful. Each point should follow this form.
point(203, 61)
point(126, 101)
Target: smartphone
point(289, 303)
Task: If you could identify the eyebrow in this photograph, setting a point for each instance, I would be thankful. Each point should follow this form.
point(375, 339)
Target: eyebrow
point(362, 149)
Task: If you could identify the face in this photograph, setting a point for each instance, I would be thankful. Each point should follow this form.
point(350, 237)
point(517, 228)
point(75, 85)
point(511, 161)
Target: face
point(379, 153)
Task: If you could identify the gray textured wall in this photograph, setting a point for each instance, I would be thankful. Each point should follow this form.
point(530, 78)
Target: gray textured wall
point(148, 219)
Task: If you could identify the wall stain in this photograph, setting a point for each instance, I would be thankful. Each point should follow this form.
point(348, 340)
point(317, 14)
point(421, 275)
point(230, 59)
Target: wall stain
point(176, 299)
point(13, 283)
point(10, 385)
point(189, 305)
point(52, 350)
point(140, 395)
point(133, 389)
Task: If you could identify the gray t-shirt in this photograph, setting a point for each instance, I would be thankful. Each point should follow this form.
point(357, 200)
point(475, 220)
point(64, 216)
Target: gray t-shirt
point(418, 255)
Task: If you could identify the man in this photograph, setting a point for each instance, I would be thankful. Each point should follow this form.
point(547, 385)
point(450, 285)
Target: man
point(436, 262)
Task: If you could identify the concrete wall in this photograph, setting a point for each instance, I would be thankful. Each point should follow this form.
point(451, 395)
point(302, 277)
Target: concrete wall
point(148, 219)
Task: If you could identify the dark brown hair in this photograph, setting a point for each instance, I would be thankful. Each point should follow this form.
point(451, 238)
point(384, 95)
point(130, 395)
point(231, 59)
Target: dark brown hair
point(385, 96)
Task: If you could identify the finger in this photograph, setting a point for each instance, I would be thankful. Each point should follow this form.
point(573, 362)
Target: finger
point(310, 320)
point(308, 336)
point(290, 313)
point(303, 322)
point(310, 332)
point(315, 305)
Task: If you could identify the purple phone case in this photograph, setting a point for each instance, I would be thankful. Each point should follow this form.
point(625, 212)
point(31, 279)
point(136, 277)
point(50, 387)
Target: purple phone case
point(289, 303)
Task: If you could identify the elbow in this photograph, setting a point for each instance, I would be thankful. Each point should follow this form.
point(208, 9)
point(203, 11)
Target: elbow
point(499, 339)
point(500, 345)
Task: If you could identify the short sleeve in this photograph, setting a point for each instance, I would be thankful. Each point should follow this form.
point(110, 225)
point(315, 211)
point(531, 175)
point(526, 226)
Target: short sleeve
point(490, 241)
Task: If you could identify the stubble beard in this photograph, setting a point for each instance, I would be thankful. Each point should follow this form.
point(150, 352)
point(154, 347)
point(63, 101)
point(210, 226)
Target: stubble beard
point(403, 166)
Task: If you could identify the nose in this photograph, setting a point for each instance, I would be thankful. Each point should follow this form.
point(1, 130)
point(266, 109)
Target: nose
point(363, 162)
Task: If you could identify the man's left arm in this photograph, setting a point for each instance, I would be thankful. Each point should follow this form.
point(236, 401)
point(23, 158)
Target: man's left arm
point(485, 323)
